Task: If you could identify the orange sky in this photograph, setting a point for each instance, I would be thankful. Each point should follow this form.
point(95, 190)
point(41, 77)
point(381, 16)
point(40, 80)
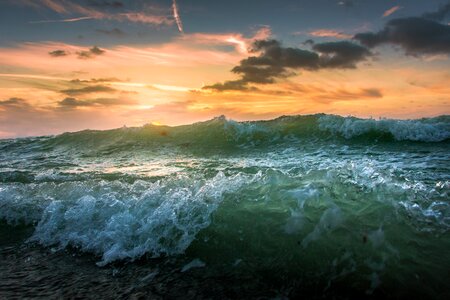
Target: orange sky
point(162, 82)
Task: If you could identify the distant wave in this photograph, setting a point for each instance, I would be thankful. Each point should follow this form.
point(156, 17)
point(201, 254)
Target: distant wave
point(422, 130)
point(222, 133)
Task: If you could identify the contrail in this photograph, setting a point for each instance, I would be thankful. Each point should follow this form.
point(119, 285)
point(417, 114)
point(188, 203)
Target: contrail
point(63, 20)
point(176, 15)
point(391, 11)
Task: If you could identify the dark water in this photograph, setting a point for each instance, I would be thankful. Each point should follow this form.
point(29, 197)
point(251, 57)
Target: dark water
point(314, 206)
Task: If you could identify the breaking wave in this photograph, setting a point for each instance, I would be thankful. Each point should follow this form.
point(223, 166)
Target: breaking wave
point(222, 133)
point(321, 194)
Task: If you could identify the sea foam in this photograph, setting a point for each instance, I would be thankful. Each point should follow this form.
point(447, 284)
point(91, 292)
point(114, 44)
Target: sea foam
point(160, 218)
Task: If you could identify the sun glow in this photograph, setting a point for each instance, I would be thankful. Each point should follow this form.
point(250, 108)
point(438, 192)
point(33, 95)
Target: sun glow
point(156, 123)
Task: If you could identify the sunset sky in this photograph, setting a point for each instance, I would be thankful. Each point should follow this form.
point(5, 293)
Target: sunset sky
point(68, 65)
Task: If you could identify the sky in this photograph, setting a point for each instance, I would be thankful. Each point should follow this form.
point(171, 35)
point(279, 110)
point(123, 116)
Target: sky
point(69, 65)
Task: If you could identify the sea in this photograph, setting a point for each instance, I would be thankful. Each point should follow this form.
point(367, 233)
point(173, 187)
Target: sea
point(316, 206)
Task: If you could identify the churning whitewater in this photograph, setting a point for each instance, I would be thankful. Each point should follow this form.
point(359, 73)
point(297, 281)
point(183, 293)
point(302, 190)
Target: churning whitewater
point(321, 195)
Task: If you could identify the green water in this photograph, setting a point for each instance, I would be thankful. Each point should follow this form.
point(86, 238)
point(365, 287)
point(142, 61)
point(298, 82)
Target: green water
point(314, 201)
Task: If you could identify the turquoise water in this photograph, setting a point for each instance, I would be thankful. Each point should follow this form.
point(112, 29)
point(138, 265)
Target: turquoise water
point(317, 199)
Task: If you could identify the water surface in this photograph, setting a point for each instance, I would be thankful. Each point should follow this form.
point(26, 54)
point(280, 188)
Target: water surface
point(312, 205)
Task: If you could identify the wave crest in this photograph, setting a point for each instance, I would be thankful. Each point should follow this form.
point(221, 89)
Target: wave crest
point(423, 130)
point(222, 134)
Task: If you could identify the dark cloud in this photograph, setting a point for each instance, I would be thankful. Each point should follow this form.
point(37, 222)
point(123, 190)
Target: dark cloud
point(274, 62)
point(15, 111)
point(89, 90)
point(113, 32)
point(273, 54)
point(84, 54)
point(91, 53)
point(440, 15)
point(58, 53)
point(415, 35)
point(278, 62)
point(95, 80)
point(14, 102)
point(96, 50)
point(375, 93)
point(232, 85)
point(341, 54)
point(71, 102)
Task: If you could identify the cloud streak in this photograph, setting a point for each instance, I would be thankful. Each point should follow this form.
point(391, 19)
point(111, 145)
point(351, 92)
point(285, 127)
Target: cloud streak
point(391, 10)
point(329, 33)
point(71, 102)
point(89, 90)
point(94, 12)
point(180, 53)
point(176, 16)
point(62, 20)
point(55, 5)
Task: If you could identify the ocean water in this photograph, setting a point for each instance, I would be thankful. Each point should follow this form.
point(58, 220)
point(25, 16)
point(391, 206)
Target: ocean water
point(307, 203)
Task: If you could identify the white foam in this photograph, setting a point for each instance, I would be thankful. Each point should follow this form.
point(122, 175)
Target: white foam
point(121, 222)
